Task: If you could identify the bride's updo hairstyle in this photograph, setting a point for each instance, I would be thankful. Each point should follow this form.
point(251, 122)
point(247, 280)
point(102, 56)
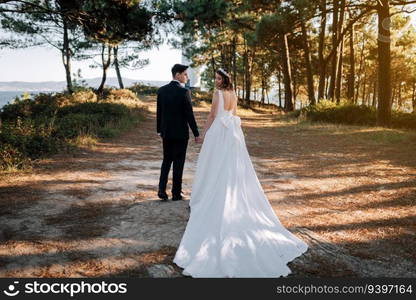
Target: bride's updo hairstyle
point(226, 80)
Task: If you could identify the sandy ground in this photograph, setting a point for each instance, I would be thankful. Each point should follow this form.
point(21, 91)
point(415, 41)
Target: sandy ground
point(348, 191)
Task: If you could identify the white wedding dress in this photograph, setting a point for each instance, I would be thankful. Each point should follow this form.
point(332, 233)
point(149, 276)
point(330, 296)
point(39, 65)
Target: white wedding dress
point(232, 230)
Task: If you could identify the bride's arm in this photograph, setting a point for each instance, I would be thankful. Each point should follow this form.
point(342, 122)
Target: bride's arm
point(212, 113)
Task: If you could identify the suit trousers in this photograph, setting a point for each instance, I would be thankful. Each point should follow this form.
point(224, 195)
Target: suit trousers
point(174, 151)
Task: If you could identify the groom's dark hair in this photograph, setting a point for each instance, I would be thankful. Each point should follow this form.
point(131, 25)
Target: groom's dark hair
point(178, 68)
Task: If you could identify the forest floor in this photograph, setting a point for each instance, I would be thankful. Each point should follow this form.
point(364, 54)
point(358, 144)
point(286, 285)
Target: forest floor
point(348, 191)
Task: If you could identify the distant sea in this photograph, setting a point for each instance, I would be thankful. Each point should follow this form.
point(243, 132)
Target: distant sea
point(8, 96)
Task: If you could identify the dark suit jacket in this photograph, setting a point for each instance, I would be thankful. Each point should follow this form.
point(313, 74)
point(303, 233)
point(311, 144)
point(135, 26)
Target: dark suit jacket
point(174, 112)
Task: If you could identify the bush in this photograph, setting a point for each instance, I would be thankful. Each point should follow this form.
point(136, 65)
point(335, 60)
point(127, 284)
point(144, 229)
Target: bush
point(120, 95)
point(34, 128)
point(347, 113)
point(81, 96)
point(97, 112)
point(39, 146)
point(403, 120)
point(20, 108)
point(22, 143)
point(72, 125)
point(43, 106)
point(198, 95)
point(142, 89)
point(107, 132)
point(11, 157)
point(124, 96)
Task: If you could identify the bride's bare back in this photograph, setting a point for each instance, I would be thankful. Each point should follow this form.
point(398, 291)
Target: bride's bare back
point(230, 100)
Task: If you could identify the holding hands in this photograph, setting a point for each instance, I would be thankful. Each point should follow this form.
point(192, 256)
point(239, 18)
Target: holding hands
point(199, 139)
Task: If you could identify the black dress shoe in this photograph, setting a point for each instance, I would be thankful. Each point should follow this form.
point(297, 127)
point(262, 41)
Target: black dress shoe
point(177, 197)
point(163, 196)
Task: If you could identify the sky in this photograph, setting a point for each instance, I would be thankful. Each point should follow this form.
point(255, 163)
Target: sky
point(45, 64)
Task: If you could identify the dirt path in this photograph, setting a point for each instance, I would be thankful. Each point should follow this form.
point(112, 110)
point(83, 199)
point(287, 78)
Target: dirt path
point(349, 192)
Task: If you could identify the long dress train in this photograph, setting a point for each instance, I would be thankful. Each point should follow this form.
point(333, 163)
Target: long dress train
point(232, 230)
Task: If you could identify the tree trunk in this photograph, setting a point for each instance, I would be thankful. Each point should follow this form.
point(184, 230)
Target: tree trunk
point(414, 97)
point(368, 96)
point(393, 96)
point(351, 76)
point(321, 60)
point(247, 83)
point(235, 61)
point(223, 59)
point(400, 99)
point(374, 94)
point(105, 64)
point(338, 88)
point(248, 79)
point(335, 60)
point(120, 79)
point(384, 64)
point(287, 72)
point(364, 89)
point(360, 70)
point(338, 84)
point(263, 89)
point(279, 76)
point(213, 69)
point(251, 56)
point(309, 74)
point(243, 96)
point(295, 91)
point(66, 57)
point(327, 85)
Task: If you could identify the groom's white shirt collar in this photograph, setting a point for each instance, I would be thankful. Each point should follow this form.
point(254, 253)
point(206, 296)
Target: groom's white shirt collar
point(178, 82)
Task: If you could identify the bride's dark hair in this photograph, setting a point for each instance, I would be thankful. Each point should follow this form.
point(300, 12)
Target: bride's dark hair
point(226, 80)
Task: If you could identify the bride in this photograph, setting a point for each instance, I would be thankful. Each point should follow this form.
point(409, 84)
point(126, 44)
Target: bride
point(232, 229)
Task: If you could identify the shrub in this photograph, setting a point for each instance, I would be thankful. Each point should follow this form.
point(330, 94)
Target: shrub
point(11, 157)
point(82, 96)
point(348, 113)
point(39, 146)
point(102, 112)
point(74, 124)
point(403, 120)
point(119, 95)
point(20, 108)
point(34, 128)
point(43, 106)
point(124, 96)
point(107, 132)
point(25, 142)
point(84, 140)
point(198, 95)
point(142, 89)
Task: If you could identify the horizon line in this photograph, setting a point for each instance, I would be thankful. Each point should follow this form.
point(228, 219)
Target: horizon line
point(84, 79)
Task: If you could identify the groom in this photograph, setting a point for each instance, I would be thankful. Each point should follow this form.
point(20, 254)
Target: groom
point(174, 114)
